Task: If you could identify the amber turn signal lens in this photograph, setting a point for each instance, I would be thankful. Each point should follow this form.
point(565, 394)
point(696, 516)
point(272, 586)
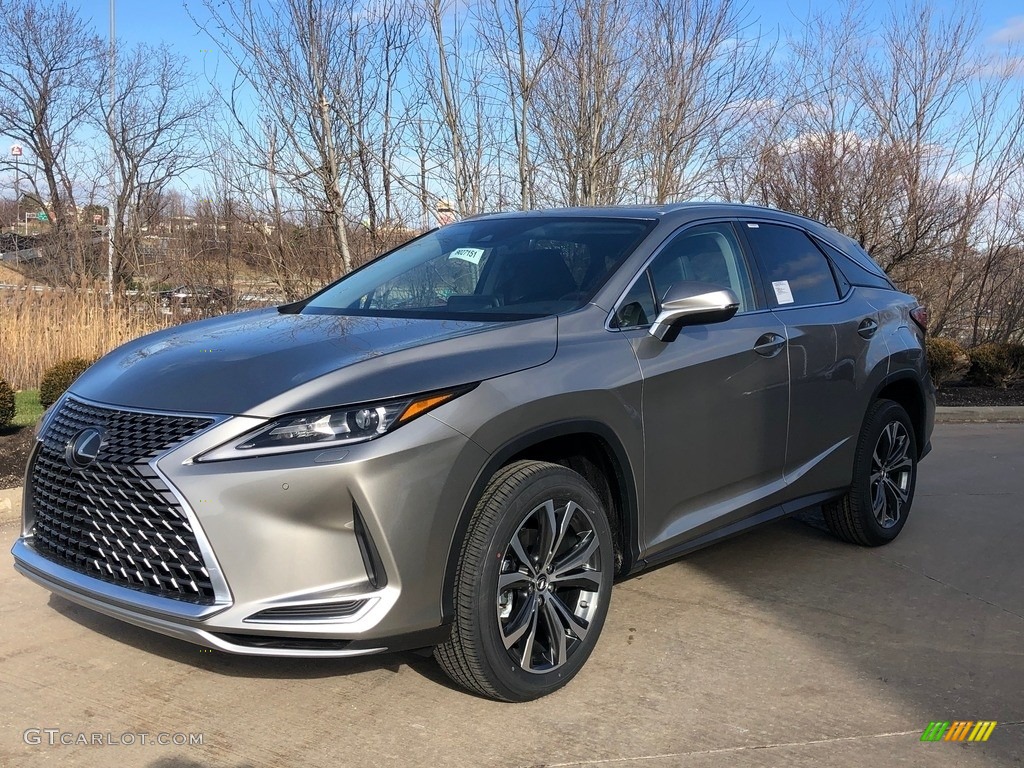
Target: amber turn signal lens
point(418, 407)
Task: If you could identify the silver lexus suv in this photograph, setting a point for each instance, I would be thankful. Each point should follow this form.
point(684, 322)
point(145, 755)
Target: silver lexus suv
point(461, 445)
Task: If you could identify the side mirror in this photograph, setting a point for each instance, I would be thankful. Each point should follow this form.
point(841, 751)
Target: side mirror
point(689, 303)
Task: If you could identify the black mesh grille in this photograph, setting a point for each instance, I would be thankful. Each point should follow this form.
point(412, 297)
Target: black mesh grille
point(115, 519)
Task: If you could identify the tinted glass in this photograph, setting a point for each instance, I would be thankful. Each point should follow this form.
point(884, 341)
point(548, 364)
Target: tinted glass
point(796, 272)
point(836, 259)
point(637, 306)
point(708, 253)
point(491, 269)
point(853, 268)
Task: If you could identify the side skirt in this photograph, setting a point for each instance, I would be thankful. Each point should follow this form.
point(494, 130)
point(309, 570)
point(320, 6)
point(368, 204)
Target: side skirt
point(741, 526)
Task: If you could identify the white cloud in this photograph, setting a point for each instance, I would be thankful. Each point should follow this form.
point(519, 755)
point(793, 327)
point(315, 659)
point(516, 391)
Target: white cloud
point(1011, 32)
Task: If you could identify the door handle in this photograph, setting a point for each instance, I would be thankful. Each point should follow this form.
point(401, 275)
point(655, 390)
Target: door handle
point(867, 327)
point(769, 345)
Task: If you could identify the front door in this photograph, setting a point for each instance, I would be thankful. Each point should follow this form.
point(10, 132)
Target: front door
point(715, 400)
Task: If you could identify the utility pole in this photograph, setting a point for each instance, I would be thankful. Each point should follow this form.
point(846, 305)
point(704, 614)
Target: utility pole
point(113, 163)
point(16, 151)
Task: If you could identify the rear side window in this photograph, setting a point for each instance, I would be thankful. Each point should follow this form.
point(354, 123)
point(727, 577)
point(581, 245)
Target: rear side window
point(796, 272)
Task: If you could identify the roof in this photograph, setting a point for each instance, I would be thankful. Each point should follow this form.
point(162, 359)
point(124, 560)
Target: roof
point(677, 212)
point(651, 211)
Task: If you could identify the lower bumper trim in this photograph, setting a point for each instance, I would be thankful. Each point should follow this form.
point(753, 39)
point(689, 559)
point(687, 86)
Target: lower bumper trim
point(237, 643)
point(192, 634)
point(283, 645)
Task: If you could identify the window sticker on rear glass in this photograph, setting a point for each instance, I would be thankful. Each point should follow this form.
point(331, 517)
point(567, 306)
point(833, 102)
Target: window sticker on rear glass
point(783, 294)
point(472, 255)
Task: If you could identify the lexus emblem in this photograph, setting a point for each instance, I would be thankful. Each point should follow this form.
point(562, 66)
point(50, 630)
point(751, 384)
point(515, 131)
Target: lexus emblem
point(84, 447)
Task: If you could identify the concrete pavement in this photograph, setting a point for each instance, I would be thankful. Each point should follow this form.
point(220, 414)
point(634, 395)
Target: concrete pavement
point(10, 504)
point(782, 647)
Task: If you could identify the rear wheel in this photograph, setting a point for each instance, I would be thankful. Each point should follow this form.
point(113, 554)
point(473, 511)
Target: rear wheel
point(875, 509)
point(533, 584)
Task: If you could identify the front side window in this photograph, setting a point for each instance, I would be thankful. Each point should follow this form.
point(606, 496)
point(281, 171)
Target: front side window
point(796, 272)
point(708, 253)
point(489, 269)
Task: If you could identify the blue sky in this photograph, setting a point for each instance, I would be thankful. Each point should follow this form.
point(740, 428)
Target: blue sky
point(167, 21)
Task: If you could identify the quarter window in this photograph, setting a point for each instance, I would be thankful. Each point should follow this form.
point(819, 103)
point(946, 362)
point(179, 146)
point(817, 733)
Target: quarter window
point(796, 272)
point(637, 306)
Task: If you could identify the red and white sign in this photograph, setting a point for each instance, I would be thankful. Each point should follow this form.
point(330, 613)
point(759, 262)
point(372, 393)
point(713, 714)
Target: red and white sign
point(16, 150)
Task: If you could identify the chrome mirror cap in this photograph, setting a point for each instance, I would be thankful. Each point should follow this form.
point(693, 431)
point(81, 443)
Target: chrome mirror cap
point(690, 303)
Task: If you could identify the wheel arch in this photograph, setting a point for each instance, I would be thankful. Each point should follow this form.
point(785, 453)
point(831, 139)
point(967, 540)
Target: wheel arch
point(905, 388)
point(590, 448)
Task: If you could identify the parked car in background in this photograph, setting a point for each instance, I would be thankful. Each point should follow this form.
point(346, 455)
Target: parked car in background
point(462, 444)
point(190, 297)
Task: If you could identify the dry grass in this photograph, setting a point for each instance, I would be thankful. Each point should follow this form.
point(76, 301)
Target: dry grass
point(9, 276)
point(38, 328)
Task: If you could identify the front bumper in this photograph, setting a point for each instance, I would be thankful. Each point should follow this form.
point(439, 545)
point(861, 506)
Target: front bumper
point(335, 552)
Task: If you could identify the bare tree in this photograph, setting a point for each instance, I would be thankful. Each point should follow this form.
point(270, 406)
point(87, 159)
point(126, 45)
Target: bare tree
point(705, 66)
point(152, 125)
point(291, 59)
point(588, 115)
point(456, 115)
point(521, 37)
point(380, 37)
point(907, 134)
point(49, 78)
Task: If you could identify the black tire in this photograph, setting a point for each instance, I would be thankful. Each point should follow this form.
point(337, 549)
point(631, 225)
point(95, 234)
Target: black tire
point(546, 651)
point(875, 509)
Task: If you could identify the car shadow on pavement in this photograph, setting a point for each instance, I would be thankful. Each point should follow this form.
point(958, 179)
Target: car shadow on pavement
point(234, 665)
point(896, 637)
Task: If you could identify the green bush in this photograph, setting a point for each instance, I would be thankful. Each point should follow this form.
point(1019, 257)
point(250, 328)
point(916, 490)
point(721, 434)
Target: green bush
point(996, 365)
point(6, 404)
point(58, 377)
point(947, 360)
point(1016, 354)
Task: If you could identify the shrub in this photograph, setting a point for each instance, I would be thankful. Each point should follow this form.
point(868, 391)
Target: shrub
point(6, 404)
point(59, 377)
point(947, 360)
point(996, 365)
point(1016, 354)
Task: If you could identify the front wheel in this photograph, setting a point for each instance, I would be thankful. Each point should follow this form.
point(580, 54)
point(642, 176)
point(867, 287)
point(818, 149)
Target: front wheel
point(875, 509)
point(533, 584)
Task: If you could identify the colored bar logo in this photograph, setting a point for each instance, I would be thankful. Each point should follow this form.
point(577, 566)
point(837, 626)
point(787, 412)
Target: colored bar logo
point(959, 730)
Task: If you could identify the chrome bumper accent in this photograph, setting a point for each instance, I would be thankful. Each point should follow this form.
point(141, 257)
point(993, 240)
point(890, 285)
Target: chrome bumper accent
point(65, 583)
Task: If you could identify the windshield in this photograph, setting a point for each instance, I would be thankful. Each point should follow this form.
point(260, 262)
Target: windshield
point(489, 269)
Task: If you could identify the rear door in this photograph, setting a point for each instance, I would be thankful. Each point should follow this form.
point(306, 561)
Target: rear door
point(715, 400)
point(829, 329)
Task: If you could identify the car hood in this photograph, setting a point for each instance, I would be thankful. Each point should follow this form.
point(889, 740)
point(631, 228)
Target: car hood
point(265, 363)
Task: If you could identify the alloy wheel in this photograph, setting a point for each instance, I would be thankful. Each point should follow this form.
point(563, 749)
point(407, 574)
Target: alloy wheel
point(549, 586)
point(892, 469)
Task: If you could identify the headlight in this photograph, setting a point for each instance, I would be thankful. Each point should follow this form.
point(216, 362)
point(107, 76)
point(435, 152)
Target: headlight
point(329, 428)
